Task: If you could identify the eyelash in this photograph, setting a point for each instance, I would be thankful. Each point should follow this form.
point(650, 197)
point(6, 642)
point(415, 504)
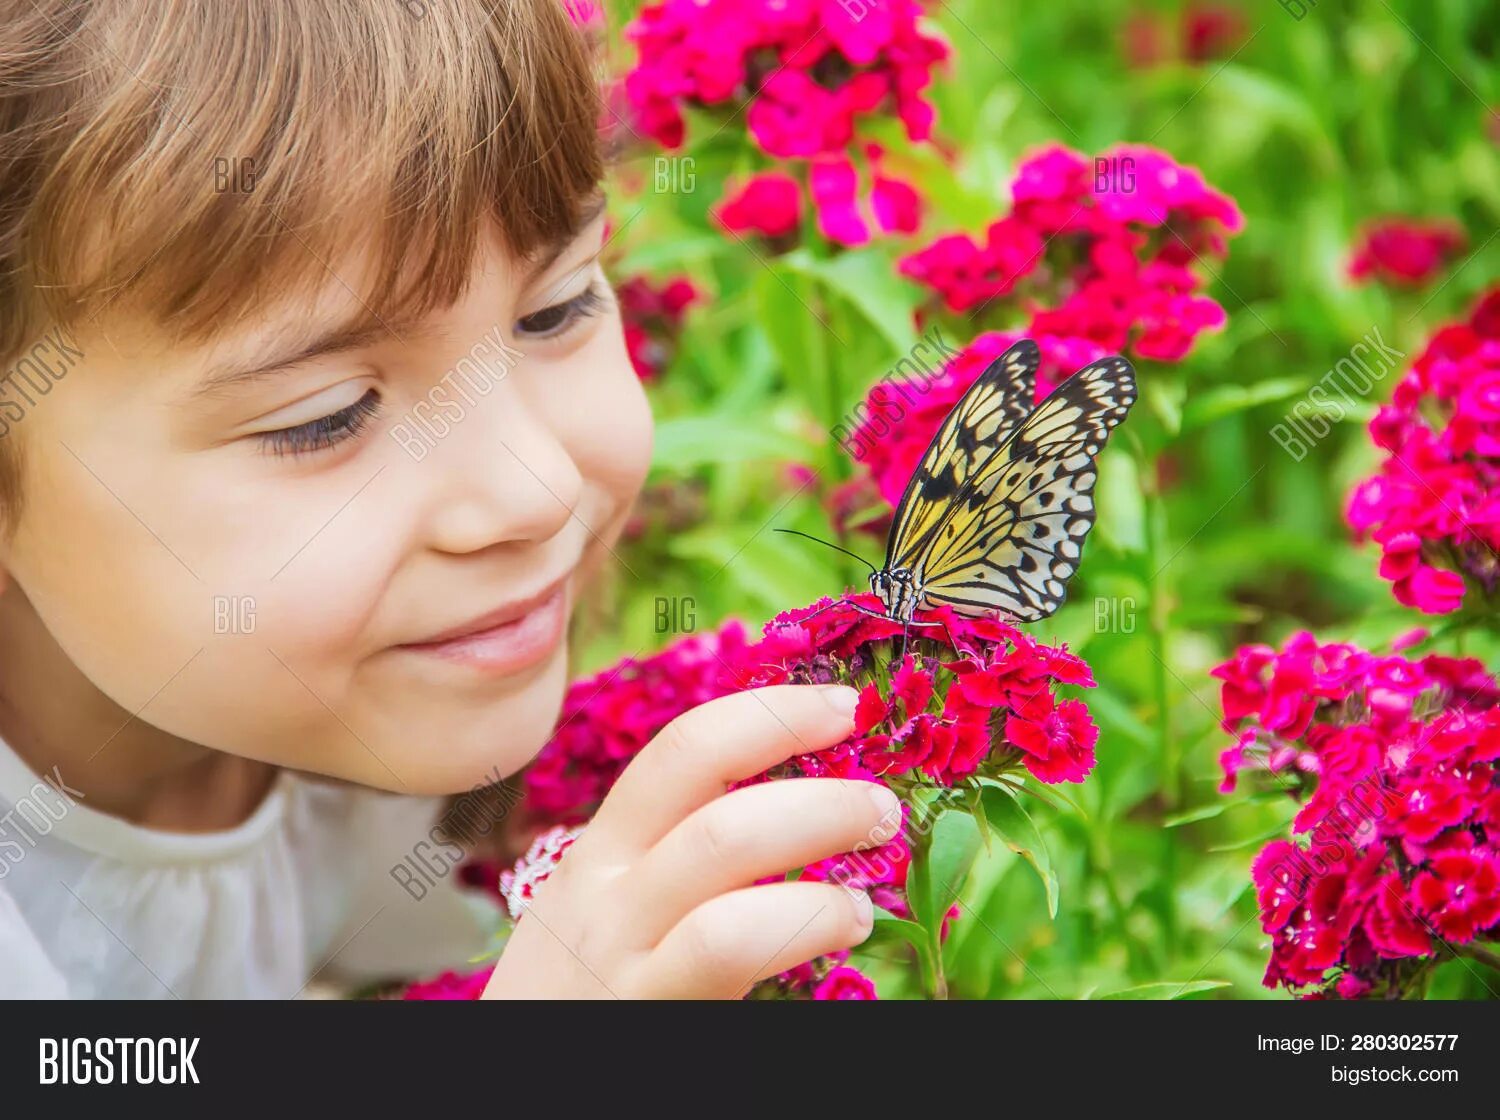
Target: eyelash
point(588, 302)
point(349, 422)
point(325, 431)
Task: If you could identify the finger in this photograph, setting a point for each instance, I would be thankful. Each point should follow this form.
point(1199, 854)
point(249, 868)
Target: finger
point(702, 751)
point(724, 946)
point(757, 831)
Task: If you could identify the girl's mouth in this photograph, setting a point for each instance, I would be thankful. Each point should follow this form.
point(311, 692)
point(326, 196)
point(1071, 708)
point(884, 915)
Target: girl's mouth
point(505, 641)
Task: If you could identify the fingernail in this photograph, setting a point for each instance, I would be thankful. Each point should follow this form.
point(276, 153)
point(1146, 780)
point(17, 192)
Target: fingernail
point(865, 909)
point(842, 699)
point(886, 802)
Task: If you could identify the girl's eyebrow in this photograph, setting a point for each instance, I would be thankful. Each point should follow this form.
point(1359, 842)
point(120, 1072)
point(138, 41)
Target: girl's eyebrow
point(365, 330)
point(281, 357)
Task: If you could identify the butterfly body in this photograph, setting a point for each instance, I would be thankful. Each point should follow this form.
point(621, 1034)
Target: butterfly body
point(994, 517)
point(898, 590)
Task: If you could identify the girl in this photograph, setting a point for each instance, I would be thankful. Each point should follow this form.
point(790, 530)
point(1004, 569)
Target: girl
point(317, 420)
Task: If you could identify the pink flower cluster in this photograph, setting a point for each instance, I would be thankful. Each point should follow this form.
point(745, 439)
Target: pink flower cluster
point(810, 68)
point(827, 977)
point(1404, 252)
point(653, 316)
point(1397, 759)
point(848, 212)
point(607, 718)
point(981, 700)
point(1434, 505)
point(451, 985)
point(1097, 252)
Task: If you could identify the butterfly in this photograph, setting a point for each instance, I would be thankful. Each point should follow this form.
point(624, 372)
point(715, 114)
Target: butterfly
point(994, 518)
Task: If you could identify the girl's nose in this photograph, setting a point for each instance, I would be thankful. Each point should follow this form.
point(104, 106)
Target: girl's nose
point(505, 477)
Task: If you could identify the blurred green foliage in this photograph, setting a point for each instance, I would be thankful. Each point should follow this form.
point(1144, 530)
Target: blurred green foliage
point(1210, 534)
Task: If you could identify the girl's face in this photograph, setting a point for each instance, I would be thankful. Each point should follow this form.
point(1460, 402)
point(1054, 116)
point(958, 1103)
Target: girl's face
point(350, 552)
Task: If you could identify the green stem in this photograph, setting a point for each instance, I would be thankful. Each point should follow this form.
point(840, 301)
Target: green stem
point(934, 977)
point(1169, 749)
point(1160, 623)
point(1478, 953)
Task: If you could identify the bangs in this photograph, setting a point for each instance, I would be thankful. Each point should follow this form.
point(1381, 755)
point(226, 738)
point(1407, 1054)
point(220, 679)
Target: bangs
point(193, 159)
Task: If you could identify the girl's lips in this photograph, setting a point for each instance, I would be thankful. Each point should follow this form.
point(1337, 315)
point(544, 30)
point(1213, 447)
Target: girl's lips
point(506, 647)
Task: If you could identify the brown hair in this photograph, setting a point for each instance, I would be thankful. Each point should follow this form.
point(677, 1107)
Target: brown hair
point(192, 158)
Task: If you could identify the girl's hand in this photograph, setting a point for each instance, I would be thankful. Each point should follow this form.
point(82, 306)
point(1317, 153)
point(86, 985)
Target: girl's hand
point(656, 899)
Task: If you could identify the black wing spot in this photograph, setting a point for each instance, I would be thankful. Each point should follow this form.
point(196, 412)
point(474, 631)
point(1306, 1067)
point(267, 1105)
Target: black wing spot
point(937, 487)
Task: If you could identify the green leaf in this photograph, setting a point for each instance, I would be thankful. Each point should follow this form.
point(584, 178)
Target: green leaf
point(1005, 814)
point(666, 254)
point(891, 930)
point(866, 279)
point(1192, 816)
point(1165, 989)
point(1165, 395)
point(1122, 508)
point(1225, 400)
point(685, 442)
point(1250, 841)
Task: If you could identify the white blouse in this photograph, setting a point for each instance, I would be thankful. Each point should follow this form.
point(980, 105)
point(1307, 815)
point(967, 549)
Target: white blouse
point(302, 893)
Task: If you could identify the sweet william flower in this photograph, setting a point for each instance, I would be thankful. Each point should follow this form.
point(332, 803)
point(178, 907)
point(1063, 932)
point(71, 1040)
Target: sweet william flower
point(1058, 738)
point(1395, 757)
point(1433, 506)
point(451, 985)
point(811, 69)
point(1459, 893)
point(769, 204)
point(606, 719)
point(1404, 252)
point(653, 315)
point(844, 982)
point(978, 698)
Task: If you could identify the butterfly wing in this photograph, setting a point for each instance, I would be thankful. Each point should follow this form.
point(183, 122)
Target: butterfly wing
point(1014, 538)
point(983, 420)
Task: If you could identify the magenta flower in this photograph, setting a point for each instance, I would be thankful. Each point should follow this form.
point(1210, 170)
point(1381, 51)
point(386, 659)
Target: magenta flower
point(606, 719)
point(653, 316)
point(1460, 892)
point(979, 700)
point(1058, 738)
point(844, 982)
point(1434, 505)
point(1404, 252)
point(451, 985)
point(1396, 759)
point(769, 204)
point(811, 69)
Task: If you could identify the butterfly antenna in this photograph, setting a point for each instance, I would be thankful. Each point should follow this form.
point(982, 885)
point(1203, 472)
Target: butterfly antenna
point(829, 544)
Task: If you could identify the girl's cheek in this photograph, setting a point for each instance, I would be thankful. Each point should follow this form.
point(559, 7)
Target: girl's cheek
point(606, 420)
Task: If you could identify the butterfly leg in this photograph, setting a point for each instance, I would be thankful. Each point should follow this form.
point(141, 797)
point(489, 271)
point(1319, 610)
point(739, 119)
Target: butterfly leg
point(823, 610)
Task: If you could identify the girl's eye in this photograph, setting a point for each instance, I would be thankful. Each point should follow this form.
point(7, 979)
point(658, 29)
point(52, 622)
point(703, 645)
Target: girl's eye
point(554, 320)
point(325, 431)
